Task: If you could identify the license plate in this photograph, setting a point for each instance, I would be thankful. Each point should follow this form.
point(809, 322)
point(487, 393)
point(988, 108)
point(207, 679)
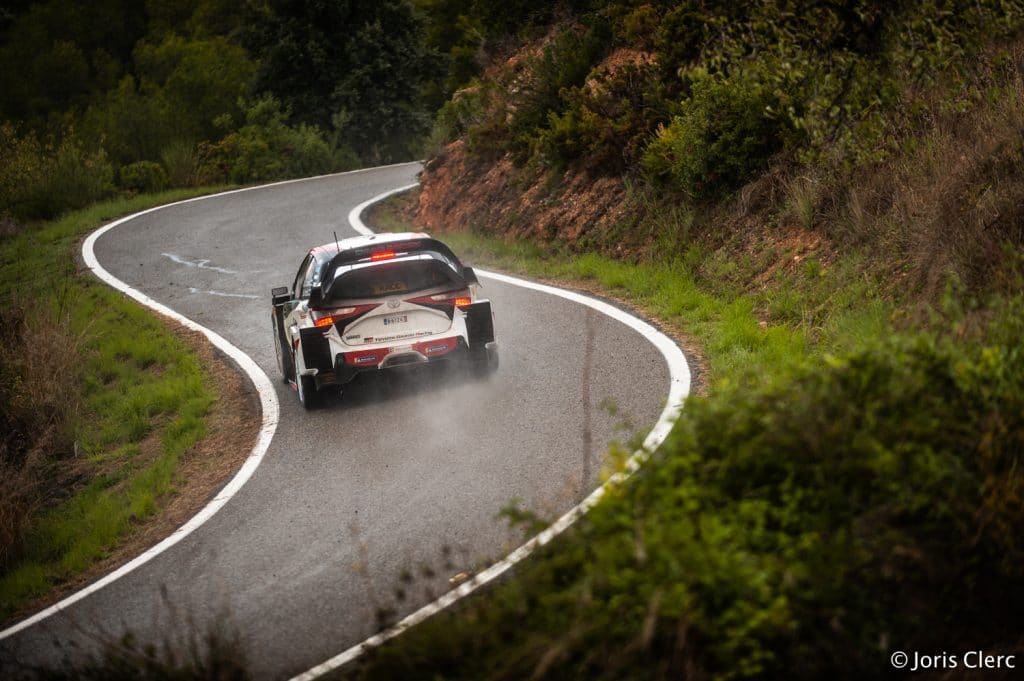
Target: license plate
point(397, 319)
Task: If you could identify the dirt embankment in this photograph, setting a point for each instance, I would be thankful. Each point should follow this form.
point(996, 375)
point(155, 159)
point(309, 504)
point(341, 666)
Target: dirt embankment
point(459, 192)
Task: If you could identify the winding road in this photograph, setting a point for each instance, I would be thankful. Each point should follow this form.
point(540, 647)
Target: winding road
point(387, 482)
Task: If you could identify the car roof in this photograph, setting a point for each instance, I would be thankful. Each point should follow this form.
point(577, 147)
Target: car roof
point(334, 247)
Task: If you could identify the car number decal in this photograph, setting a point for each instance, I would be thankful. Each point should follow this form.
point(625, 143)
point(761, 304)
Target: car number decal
point(389, 287)
point(397, 319)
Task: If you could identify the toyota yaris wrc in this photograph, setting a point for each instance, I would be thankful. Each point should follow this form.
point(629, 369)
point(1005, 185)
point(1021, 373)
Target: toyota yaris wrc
point(381, 302)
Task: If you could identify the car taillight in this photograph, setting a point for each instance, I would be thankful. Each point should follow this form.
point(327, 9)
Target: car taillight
point(340, 314)
point(382, 255)
point(459, 298)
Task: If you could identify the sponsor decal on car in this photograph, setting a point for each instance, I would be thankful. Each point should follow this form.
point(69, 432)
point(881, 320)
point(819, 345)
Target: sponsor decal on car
point(398, 336)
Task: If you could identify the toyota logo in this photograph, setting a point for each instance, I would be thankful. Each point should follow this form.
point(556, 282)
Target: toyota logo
point(393, 303)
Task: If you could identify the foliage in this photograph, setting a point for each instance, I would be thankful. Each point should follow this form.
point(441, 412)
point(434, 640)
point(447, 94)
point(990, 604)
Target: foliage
point(57, 55)
point(267, 148)
point(199, 81)
point(367, 82)
point(465, 111)
point(719, 88)
point(564, 63)
point(40, 407)
point(726, 133)
point(143, 176)
point(607, 122)
point(152, 81)
point(43, 179)
point(215, 654)
point(180, 89)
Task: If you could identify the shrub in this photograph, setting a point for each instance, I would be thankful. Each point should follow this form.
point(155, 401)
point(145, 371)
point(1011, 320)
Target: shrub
point(727, 131)
point(179, 160)
point(143, 176)
point(607, 122)
point(41, 180)
point(564, 63)
point(267, 148)
point(467, 109)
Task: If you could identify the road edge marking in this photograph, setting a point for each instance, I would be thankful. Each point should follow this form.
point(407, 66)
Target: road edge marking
point(269, 406)
point(679, 388)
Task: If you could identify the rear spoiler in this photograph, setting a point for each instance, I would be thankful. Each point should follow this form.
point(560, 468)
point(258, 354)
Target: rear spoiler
point(394, 249)
point(399, 248)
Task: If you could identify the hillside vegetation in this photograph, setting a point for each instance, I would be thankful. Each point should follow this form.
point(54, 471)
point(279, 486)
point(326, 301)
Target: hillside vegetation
point(845, 176)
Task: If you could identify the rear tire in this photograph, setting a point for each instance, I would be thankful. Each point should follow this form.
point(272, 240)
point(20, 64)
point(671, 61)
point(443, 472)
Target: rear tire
point(485, 363)
point(309, 396)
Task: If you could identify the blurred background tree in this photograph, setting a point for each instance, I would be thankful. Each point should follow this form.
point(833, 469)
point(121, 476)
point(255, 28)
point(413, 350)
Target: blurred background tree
point(354, 66)
point(178, 92)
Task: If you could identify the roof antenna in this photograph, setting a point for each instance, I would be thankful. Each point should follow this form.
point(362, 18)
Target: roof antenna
point(336, 242)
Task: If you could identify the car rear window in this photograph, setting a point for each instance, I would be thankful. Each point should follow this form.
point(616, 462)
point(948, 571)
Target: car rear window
point(392, 279)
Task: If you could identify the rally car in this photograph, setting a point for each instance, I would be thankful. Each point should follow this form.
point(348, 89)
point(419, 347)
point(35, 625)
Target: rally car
point(376, 303)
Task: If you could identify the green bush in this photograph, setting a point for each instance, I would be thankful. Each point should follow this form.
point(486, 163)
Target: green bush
point(40, 180)
point(727, 131)
point(564, 63)
point(179, 160)
point(467, 109)
point(267, 148)
point(143, 176)
point(607, 122)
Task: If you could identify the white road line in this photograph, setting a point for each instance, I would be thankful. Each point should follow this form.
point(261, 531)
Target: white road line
point(192, 289)
point(679, 388)
point(268, 402)
point(201, 264)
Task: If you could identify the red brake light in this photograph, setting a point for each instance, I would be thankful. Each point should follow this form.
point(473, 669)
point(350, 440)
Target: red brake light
point(382, 255)
point(340, 314)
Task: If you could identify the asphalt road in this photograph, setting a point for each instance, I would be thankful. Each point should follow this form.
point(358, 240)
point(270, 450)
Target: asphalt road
point(388, 480)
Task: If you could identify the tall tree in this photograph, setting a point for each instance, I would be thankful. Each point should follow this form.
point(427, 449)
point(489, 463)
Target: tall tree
point(57, 55)
point(357, 66)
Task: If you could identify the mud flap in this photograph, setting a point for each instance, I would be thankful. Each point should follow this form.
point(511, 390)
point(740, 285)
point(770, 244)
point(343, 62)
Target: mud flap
point(483, 351)
point(316, 350)
point(479, 325)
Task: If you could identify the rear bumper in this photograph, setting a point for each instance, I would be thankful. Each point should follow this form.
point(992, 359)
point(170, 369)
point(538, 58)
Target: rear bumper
point(348, 365)
point(472, 343)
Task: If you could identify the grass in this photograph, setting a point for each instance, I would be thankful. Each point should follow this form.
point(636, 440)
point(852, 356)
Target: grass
point(744, 335)
point(138, 400)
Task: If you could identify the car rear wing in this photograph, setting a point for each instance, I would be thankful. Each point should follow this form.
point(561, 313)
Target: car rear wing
point(387, 251)
point(372, 252)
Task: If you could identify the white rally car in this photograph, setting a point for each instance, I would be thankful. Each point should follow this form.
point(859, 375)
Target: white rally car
point(378, 302)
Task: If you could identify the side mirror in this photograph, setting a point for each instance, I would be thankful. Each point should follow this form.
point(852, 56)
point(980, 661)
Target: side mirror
point(280, 295)
point(470, 276)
